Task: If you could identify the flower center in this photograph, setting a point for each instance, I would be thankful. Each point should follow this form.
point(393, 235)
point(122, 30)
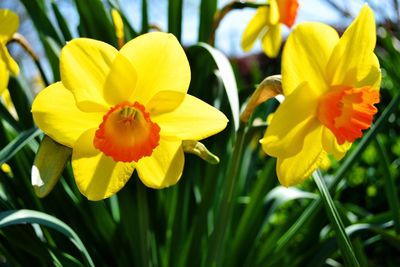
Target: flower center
point(288, 11)
point(127, 133)
point(346, 111)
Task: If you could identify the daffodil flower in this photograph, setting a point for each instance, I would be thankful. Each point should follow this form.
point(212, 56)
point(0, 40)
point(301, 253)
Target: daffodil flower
point(8, 26)
point(267, 23)
point(124, 110)
point(331, 86)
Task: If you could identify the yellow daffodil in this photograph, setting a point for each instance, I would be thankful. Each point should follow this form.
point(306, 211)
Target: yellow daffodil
point(267, 23)
point(331, 86)
point(8, 26)
point(124, 110)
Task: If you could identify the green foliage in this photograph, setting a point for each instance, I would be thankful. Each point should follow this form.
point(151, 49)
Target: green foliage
point(231, 214)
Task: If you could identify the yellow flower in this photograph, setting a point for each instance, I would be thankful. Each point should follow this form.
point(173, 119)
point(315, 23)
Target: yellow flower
point(330, 85)
point(267, 23)
point(8, 26)
point(124, 110)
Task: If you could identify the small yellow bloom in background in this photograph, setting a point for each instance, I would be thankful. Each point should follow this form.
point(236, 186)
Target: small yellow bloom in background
point(124, 110)
point(9, 23)
point(331, 86)
point(119, 27)
point(267, 24)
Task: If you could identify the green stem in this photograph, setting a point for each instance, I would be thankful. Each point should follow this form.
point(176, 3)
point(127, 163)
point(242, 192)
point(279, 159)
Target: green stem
point(390, 186)
point(225, 211)
point(143, 223)
point(343, 239)
point(20, 39)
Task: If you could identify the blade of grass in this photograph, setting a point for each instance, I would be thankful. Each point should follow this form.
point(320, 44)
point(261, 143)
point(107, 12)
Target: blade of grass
point(21, 96)
point(19, 142)
point(14, 217)
point(227, 75)
point(5, 115)
point(217, 240)
point(207, 11)
point(61, 22)
point(390, 186)
point(39, 15)
point(175, 17)
point(344, 241)
point(145, 17)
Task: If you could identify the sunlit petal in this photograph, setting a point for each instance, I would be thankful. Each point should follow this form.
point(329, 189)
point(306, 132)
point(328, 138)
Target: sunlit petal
point(55, 112)
point(192, 120)
point(4, 76)
point(295, 169)
point(11, 20)
point(330, 144)
point(120, 82)
point(253, 29)
point(352, 62)
point(84, 66)
point(290, 124)
point(160, 63)
point(271, 41)
point(305, 56)
point(164, 167)
point(97, 176)
point(5, 56)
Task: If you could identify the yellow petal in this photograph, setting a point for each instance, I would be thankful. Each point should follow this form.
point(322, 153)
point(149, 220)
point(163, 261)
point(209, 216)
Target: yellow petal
point(55, 113)
point(4, 76)
point(120, 82)
point(295, 169)
point(253, 29)
point(160, 63)
point(97, 176)
point(290, 124)
point(84, 66)
point(273, 16)
point(5, 56)
point(353, 62)
point(331, 145)
point(192, 120)
point(305, 56)
point(271, 41)
point(9, 24)
point(164, 101)
point(164, 167)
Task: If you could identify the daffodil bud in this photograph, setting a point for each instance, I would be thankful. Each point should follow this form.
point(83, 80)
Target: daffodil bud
point(200, 150)
point(48, 165)
point(268, 88)
point(119, 27)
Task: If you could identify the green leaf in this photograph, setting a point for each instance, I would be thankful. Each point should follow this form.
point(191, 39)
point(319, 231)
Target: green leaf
point(94, 21)
point(343, 239)
point(226, 73)
point(48, 165)
point(5, 115)
point(23, 216)
point(41, 20)
point(145, 17)
point(61, 22)
point(175, 8)
point(207, 11)
point(19, 142)
point(390, 185)
point(21, 96)
point(52, 50)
